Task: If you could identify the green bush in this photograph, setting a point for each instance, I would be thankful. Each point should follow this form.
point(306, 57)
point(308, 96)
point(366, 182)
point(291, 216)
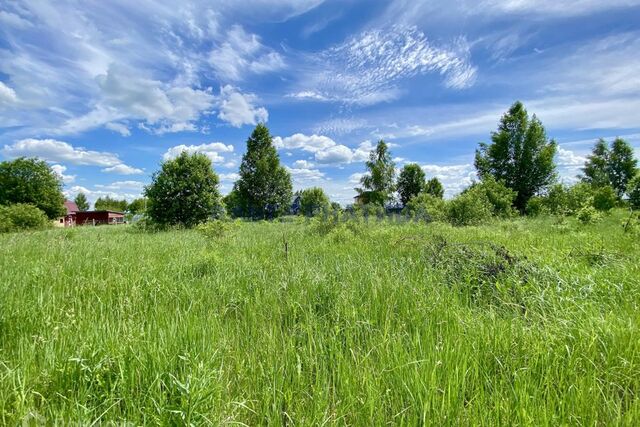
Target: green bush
point(313, 201)
point(216, 229)
point(499, 196)
point(588, 214)
point(426, 206)
point(633, 191)
point(469, 208)
point(535, 206)
point(604, 198)
point(22, 216)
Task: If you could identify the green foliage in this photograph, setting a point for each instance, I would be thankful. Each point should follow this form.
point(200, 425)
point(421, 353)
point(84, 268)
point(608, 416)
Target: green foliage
point(595, 170)
point(622, 165)
point(499, 196)
point(31, 181)
point(81, 202)
point(604, 198)
point(410, 182)
point(469, 208)
point(216, 229)
point(377, 184)
point(184, 192)
point(520, 155)
point(137, 206)
point(426, 206)
point(434, 187)
point(22, 216)
point(563, 200)
point(633, 191)
point(110, 204)
point(264, 188)
point(313, 201)
point(588, 214)
point(614, 165)
point(535, 206)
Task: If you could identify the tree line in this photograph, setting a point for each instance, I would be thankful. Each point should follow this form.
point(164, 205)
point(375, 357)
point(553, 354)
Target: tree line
point(517, 174)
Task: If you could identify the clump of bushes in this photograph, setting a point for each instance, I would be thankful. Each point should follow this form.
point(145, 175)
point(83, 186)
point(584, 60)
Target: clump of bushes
point(588, 215)
point(469, 208)
point(427, 207)
point(22, 216)
point(216, 229)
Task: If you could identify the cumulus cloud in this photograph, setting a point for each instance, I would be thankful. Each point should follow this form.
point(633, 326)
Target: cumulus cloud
point(238, 109)
point(60, 171)
point(324, 149)
point(304, 176)
point(212, 151)
point(122, 185)
point(454, 178)
point(123, 169)
point(59, 151)
point(118, 127)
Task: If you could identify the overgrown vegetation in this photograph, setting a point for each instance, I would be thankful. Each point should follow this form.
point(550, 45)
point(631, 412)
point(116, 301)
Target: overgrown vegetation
point(329, 320)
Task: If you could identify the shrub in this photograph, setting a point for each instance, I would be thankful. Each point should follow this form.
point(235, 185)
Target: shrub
point(499, 196)
point(426, 206)
point(588, 214)
point(22, 216)
point(633, 191)
point(535, 206)
point(604, 198)
point(216, 229)
point(313, 201)
point(469, 208)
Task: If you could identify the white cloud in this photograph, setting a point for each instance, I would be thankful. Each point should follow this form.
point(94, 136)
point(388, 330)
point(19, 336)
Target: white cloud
point(59, 151)
point(60, 170)
point(122, 185)
point(114, 191)
point(303, 164)
point(7, 95)
point(365, 69)
point(240, 53)
point(238, 109)
point(229, 177)
point(549, 7)
point(211, 150)
point(308, 95)
point(340, 126)
point(305, 176)
point(325, 150)
point(454, 178)
point(123, 169)
point(118, 127)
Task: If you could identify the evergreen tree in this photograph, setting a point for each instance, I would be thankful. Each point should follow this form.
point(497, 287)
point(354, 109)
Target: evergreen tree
point(520, 155)
point(377, 185)
point(81, 202)
point(264, 189)
point(31, 181)
point(184, 192)
point(410, 182)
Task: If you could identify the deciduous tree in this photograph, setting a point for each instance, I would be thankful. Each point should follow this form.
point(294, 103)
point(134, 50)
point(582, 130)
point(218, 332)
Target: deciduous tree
point(411, 182)
point(377, 184)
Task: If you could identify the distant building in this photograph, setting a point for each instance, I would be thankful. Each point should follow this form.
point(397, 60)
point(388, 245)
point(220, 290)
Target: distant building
point(69, 219)
point(99, 218)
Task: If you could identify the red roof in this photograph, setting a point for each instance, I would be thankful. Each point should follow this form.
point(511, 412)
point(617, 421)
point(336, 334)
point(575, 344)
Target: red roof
point(71, 207)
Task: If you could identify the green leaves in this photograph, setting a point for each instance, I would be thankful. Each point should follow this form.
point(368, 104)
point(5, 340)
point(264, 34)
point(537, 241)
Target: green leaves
point(410, 182)
point(378, 184)
point(614, 165)
point(520, 155)
point(184, 192)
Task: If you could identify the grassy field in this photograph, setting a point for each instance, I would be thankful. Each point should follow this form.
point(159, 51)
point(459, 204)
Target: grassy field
point(520, 322)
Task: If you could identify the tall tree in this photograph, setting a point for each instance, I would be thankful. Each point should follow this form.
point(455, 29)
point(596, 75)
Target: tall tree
point(138, 206)
point(595, 168)
point(434, 187)
point(411, 182)
point(377, 184)
point(520, 155)
point(81, 202)
point(183, 192)
point(264, 188)
point(32, 181)
point(622, 165)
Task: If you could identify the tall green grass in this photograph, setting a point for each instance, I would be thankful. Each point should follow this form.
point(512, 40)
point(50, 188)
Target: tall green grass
point(521, 322)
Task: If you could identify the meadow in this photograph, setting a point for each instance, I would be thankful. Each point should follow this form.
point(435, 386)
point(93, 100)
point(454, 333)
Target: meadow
point(529, 321)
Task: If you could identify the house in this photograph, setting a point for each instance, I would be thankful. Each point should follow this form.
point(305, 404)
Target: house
point(69, 219)
point(99, 218)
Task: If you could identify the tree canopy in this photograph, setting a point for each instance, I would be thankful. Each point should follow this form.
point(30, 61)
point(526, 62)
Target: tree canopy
point(614, 165)
point(520, 155)
point(313, 200)
point(31, 181)
point(110, 204)
point(378, 183)
point(184, 192)
point(264, 188)
point(411, 182)
point(434, 187)
point(81, 202)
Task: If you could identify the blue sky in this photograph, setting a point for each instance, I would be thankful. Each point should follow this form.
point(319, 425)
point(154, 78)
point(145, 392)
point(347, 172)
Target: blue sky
point(105, 91)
